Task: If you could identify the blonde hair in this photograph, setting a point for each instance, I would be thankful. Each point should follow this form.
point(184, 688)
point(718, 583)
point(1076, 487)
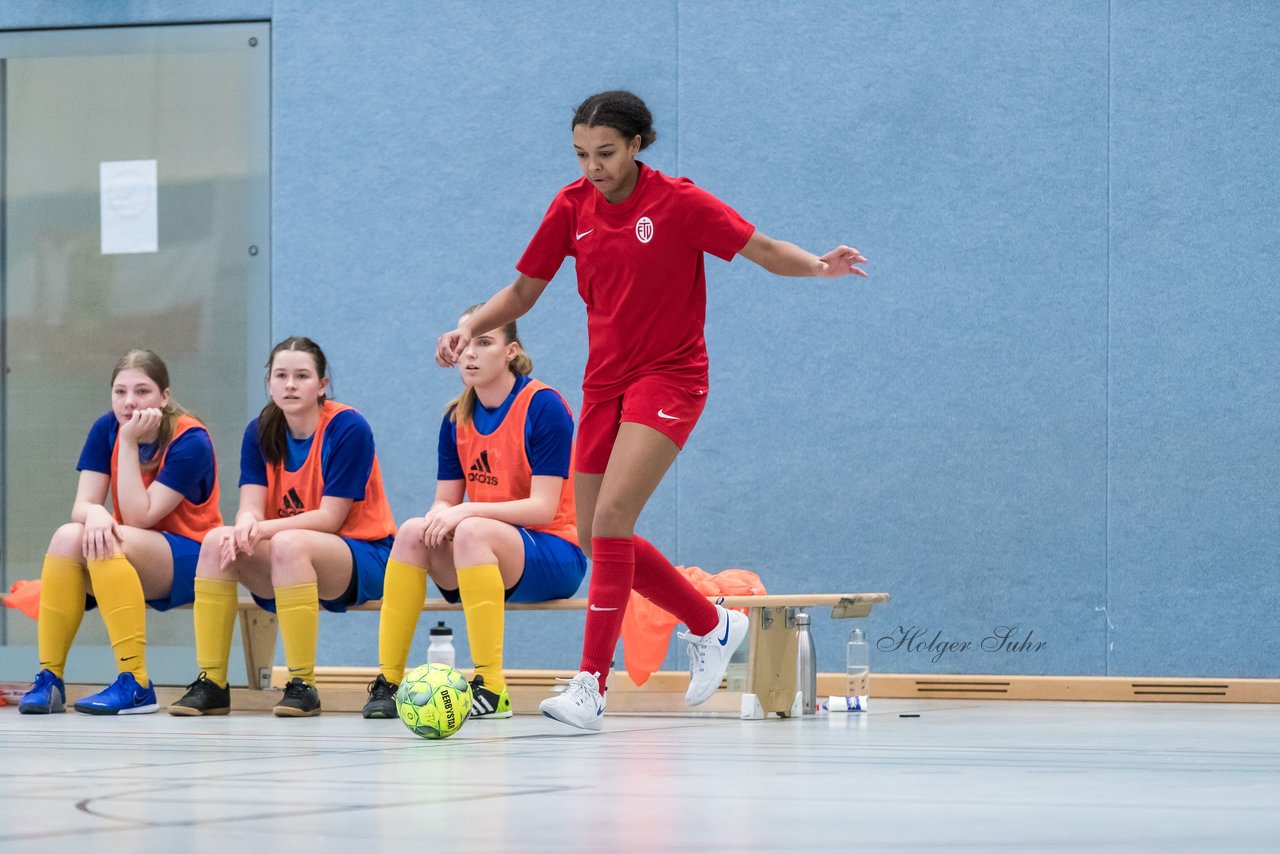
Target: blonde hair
point(462, 408)
point(150, 363)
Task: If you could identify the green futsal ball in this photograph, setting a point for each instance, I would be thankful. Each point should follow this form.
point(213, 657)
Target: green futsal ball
point(434, 700)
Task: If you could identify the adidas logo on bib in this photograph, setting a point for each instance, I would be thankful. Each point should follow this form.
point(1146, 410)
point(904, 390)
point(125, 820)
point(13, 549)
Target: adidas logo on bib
point(290, 504)
point(481, 472)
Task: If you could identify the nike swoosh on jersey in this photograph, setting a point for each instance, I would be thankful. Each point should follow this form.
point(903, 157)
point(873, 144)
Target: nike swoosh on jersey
point(598, 608)
point(584, 234)
point(662, 414)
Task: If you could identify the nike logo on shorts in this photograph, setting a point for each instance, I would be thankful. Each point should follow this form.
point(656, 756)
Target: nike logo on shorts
point(662, 414)
point(584, 234)
point(598, 608)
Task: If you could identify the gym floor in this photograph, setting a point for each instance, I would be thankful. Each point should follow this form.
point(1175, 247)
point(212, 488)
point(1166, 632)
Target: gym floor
point(908, 776)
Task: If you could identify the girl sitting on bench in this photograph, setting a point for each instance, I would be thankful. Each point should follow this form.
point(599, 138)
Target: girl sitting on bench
point(156, 461)
point(314, 528)
point(506, 445)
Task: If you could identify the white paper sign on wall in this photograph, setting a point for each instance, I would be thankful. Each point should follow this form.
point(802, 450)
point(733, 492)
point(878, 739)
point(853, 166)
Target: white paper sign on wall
point(128, 207)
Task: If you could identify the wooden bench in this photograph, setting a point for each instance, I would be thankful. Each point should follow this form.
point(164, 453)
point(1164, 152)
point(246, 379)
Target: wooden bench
point(771, 638)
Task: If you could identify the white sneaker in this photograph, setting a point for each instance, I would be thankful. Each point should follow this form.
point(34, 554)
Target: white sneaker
point(580, 704)
point(709, 654)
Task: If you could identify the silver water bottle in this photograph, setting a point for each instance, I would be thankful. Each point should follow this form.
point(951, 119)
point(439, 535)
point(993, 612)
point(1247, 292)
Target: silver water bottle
point(806, 665)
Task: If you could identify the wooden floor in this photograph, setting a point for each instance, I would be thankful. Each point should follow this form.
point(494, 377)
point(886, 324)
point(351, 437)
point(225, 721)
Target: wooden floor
point(913, 775)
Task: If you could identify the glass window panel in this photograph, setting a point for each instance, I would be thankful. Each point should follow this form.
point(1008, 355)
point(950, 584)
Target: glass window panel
point(196, 101)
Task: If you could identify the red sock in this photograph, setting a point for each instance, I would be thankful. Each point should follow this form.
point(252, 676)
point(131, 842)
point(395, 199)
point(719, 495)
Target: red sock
point(663, 585)
point(613, 564)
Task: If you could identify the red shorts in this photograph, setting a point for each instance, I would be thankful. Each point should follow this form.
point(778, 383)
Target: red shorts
point(654, 401)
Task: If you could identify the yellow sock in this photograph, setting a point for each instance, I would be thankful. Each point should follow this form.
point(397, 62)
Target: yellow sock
point(298, 610)
point(62, 590)
point(483, 598)
point(118, 590)
point(215, 620)
point(403, 590)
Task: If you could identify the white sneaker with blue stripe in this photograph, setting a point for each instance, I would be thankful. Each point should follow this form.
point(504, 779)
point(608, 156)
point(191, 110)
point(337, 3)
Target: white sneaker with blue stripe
point(709, 654)
point(580, 704)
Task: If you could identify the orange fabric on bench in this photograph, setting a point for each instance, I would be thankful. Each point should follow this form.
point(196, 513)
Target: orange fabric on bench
point(646, 628)
point(25, 596)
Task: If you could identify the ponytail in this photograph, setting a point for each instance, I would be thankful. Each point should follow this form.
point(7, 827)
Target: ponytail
point(168, 426)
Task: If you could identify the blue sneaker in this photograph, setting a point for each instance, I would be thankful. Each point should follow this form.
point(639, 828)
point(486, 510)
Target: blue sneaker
point(47, 695)
point(122, 697)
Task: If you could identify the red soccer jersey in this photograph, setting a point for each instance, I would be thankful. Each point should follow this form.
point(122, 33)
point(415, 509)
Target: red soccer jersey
point(640, 272)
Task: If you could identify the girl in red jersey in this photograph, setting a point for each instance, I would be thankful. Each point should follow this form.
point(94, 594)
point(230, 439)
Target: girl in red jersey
point(506, 445)
point(314, 528)
point(638, 237)
point(156, 462)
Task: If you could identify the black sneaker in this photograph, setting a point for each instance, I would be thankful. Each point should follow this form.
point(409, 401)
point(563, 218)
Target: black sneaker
point(382, 699)
point(488, 704)
point(203, 697)
point(301, 700)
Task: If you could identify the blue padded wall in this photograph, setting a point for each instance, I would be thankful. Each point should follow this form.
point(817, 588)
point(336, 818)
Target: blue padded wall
point(414, 155)
point(1051, 409)
point(1195, 345)
point(937, 431)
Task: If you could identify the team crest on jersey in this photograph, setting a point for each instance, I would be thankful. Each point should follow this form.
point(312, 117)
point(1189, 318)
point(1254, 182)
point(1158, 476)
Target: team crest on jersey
point(290, 504)
point(481, 471)
point(644, 229)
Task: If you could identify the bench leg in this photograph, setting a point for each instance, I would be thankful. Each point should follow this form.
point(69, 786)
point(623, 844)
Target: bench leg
point(771, 662)
point(258, 636)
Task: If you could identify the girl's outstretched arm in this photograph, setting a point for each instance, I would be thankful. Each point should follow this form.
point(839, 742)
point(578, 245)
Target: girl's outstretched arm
point(786, 259)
